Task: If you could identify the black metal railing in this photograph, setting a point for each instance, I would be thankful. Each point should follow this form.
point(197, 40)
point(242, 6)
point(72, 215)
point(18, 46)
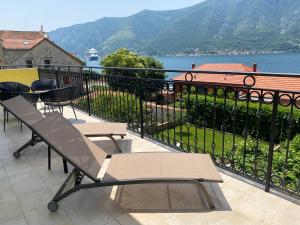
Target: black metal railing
point(250, 131)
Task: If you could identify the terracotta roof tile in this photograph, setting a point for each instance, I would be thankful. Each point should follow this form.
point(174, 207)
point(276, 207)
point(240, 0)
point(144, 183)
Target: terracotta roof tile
point(21, 39)
point(262, 82)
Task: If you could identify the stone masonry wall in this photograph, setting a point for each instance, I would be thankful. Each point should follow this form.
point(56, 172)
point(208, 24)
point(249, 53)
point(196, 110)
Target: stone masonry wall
point(46, 50)
point(12, 55)
point(1, 53)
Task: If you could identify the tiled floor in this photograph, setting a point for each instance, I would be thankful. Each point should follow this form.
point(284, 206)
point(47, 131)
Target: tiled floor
point(26, 186)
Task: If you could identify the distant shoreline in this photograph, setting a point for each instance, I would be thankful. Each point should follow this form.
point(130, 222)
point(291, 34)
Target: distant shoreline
point(228, 54)
point(234, 53)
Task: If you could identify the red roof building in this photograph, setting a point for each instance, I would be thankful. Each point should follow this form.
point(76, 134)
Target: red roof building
point(262, 82)
point(32, 47)
point(20, 39)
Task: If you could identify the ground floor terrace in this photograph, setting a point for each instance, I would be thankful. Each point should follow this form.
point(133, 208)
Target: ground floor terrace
point(26, 187)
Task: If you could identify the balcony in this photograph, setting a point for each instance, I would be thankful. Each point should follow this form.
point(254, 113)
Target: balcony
point(158, 120)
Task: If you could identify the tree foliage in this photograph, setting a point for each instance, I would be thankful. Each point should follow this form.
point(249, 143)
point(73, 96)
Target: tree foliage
point(125, 80)
point(128, 59)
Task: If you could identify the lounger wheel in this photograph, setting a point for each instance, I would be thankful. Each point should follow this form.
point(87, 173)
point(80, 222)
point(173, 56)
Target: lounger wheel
point(17, 155)
point(52, 206)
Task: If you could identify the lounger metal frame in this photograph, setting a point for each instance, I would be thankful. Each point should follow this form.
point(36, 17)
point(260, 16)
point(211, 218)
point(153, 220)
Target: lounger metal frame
point(35, 139)
point(76, 176)
point(110, 136)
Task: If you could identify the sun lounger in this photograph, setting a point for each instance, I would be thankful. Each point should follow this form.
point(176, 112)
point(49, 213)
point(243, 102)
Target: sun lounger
point(103, 130)
point(103, 170)
point(28, 115)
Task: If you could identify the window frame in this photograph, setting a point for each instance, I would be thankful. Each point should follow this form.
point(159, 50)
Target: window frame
point(29, 63)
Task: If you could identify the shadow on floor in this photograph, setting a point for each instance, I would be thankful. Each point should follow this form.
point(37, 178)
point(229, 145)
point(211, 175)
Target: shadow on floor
point(78, 121)
point(170, 198)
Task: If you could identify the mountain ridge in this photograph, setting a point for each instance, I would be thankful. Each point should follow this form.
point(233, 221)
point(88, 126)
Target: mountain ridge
point(211, 26)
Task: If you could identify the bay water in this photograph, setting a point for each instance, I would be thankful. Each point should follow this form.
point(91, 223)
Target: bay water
point(275, 63)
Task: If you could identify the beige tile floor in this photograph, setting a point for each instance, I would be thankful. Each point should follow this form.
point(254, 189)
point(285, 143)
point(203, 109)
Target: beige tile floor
point(26, 186)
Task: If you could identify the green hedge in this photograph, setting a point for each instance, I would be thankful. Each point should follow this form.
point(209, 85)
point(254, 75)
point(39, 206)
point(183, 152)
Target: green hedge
point(114, 106)
point(235, 118)
point(286, 161)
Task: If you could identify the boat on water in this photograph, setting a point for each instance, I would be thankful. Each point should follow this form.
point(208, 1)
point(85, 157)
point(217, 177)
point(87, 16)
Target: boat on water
point(92, 55)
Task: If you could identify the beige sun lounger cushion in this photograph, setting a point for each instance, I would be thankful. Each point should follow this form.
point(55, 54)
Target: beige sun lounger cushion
point(161, 166)
point(28, 114)
point(61, 135)
point(22, 109)
point(101, 129)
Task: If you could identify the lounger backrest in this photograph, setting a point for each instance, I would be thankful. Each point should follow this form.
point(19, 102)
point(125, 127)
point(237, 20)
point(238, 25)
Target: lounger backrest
point(66, 140)
point(22, 109)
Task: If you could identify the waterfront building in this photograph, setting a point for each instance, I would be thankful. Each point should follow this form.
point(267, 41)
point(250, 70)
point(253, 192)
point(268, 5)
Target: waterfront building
point(32, 48)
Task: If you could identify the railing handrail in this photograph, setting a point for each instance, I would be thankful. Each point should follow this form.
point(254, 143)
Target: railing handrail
point(188, 116)
point(90, 68)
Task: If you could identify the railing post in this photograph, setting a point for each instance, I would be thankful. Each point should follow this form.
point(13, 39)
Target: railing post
point(56, 76)
point(272, 140)
point(141, 107)
point(87, 91)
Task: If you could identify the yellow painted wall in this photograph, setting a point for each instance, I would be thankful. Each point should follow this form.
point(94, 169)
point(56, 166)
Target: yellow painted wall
point(24, 75)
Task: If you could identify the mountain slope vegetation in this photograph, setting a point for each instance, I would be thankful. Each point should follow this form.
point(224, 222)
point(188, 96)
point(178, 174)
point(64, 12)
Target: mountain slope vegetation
point(208, 27)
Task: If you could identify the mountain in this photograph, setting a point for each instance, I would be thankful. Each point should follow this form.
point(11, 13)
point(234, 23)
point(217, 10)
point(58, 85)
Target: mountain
point(208, 27)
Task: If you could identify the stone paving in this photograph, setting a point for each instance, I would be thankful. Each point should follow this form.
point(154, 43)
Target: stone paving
point(26, 186)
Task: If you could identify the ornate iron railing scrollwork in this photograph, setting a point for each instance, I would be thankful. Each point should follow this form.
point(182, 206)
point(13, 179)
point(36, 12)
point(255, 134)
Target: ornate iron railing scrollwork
point(190, 76)
point(246, 78)
point(230, 122)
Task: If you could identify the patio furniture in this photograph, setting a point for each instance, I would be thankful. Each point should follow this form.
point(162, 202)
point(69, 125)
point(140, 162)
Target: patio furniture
point(4, 96)
point(28, 114)
point(106, 129)
point(43, 85)
point(32, 98)
point(120, 169)
point(59, 98)
point(14, 87)
point(11, 87)
point(29, 97)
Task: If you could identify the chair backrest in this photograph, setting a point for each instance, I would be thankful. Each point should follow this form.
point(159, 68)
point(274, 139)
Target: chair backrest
point(14, 87)
point(58, 95)
point(2, 89)
point(3, 94)
point(31, 97)
point(22, 109)
point(7, 95)
point(43, 85)
point(67, 141)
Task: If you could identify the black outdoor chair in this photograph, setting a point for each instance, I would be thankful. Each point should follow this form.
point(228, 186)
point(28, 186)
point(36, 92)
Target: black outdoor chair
point(59, 98)
point(14, 87)
point(32, 98)
point(4, 95)
point(44, 85)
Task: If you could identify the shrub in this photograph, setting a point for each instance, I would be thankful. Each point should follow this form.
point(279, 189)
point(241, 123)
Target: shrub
point(127, 59)
point(241, 119)
point(113, 106)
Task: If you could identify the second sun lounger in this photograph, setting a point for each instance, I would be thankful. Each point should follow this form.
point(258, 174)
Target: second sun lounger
point(120, 169)
point(28, 115)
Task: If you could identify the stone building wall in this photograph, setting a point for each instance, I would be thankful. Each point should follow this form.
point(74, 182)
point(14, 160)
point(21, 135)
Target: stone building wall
point(1, 53)
point(46, 50)
point(12, 55)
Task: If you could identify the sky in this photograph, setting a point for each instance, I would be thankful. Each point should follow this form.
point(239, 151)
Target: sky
point(31, 14)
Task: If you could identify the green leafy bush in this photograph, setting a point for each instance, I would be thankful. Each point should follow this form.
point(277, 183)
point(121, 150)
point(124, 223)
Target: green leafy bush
point(241, 118)
point(113, 106)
